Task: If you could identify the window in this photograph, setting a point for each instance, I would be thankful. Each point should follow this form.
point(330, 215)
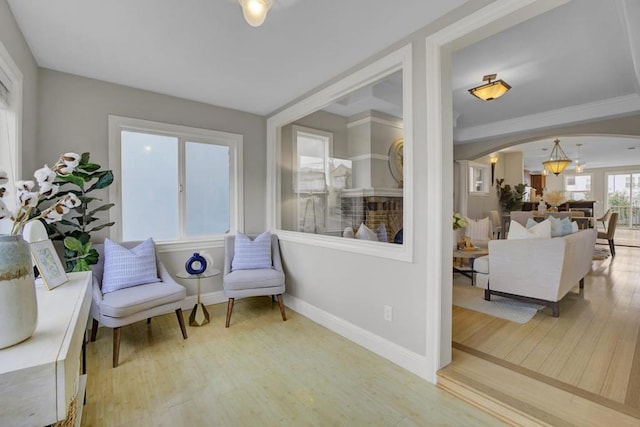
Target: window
point(479, 178)
point(177, 183)
point(577, 187)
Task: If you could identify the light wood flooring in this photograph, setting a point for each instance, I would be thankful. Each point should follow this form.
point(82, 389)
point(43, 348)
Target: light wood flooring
point(260, 371)
point(592, 350)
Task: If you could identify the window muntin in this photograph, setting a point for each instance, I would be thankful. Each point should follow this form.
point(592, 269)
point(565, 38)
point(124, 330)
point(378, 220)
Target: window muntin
point(178, 183)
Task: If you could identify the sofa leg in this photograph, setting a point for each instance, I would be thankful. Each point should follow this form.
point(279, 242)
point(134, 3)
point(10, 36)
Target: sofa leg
point(487, 295)
point(116, 346)
point(582, 283)
point(148, 320)
point(555, 309)
point(94, 330)
point(281, 304)
point(229, 311)
point(181, 322)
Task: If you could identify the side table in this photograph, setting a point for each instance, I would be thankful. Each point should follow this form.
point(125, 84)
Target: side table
point(199, 315)
point(471, 256)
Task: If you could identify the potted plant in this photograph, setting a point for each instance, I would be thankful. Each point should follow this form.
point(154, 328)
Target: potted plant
point(510, 199)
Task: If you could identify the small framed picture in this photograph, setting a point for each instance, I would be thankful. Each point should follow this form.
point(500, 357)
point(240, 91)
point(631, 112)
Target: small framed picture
point(48, 263)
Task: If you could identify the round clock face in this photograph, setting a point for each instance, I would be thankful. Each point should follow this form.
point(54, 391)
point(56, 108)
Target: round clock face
point(396, 160)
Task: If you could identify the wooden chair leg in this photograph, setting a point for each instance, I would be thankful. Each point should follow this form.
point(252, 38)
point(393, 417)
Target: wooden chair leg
point(281, 304)
point(94, 330)
point(582, 283)
point(229, 310)
point(612, 247)
point(116, 346)
point(148, 320)
point(181, 322)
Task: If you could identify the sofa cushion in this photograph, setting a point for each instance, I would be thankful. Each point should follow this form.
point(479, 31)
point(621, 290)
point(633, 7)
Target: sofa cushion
point(124, 268)
point(128, 301)
point(481, 265)
point(250, 255)
point(538, 231)
point(251, 279)
point(478, 229)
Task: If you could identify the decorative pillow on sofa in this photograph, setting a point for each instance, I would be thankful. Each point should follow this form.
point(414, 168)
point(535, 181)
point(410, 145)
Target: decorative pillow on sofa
point(478, 229)
point(124, 268)
point(251, 255)
point(381, 233)
point(365, 233)
point(538, 231)
point(348, 232)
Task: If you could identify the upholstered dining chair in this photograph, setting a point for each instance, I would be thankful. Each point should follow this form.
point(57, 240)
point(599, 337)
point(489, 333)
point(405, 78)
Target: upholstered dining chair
point(604, 218)
point(242, 283)
point(610, 232)
point(497, 223)
point(132, 304)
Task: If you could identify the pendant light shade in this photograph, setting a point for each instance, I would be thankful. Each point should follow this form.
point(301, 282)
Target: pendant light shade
point(491, 90)
point(255, 11)
point(558, 160)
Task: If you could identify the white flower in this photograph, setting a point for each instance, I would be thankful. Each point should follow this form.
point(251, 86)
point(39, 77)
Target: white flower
point(54, 213)
point(4, 212)
point(25, 185)
point(71, 201)
point(49, 190)
point(67, 164)
point(4, 177)
point(28, 199)
point(44, 175)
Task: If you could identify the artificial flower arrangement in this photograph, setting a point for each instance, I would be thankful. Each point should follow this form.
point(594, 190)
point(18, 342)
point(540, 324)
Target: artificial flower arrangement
point(458, 221)
point(554, 198)
point(28, 195)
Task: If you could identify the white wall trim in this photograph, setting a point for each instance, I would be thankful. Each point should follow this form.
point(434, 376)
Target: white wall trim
point(400, 59)
point(369, 156)
point(372, 119)
point(399, 355)
point(562, 116)
point(190, 245)
point(439, 124)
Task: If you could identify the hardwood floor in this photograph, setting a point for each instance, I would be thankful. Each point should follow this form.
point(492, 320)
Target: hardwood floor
point(592, 350)
point(260, 371)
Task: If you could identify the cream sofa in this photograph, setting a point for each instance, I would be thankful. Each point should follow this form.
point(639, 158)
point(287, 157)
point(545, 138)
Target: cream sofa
point(537, 270)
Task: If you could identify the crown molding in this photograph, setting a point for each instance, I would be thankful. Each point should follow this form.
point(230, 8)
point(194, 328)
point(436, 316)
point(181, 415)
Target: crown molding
point(578, 113)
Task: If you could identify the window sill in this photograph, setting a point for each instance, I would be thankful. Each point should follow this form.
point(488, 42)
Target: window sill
point(191, 245)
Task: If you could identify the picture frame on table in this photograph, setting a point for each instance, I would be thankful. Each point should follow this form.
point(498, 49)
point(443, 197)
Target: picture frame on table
point(46, 259)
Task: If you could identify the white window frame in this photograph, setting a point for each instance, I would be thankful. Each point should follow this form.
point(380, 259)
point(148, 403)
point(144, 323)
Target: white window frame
point(118, 124)
point(400, 59)
point(13, 112)
point(564, 183)
point(486, 182)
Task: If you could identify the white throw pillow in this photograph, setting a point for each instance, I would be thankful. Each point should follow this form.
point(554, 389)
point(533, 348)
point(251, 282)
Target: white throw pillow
point(574, 227)
point(348, 232)
point(478, 229)
point(539, 231)
point(365, 233)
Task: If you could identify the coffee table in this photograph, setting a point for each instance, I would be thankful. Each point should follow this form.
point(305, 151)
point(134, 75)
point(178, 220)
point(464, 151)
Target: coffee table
point(470, 256)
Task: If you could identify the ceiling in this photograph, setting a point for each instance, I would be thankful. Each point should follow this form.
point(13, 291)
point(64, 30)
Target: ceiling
point(204, 51)
point(580, 61)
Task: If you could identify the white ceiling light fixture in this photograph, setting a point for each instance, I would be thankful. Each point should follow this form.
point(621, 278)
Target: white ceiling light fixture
point(579, 163)
point(255, 11)
point(491, 90)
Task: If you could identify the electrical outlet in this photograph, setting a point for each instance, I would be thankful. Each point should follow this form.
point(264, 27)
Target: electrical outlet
point(388, 313)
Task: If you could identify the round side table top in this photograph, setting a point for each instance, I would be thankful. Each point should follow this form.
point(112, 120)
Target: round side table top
point(208, 273)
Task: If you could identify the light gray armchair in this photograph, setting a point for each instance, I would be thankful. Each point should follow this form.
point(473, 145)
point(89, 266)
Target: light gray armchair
point(251, 283)
point(129, 305)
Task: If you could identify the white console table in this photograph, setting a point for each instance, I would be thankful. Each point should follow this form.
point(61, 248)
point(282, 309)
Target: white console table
point(41, 376)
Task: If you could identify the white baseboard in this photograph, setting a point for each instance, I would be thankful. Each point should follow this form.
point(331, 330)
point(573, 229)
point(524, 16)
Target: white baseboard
point(399, 355)
point(208, 298)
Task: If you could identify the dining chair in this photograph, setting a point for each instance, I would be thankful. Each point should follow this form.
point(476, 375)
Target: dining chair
point(610, 232)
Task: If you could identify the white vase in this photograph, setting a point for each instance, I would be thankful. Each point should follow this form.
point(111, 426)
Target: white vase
point(18, 304)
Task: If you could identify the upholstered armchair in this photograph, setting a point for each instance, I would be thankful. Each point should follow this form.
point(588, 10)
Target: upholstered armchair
point(242, 283)
point(132, 304)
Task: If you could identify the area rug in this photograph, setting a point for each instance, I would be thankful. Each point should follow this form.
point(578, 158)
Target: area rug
point(601, 254)
point(472, 298)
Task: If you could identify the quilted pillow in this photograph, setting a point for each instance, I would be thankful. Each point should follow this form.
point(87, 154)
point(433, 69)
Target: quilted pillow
point(381, 232)
point(251, 255)
point(124, 268)
point(365, 233)
point(478, 229)
point(537, 231)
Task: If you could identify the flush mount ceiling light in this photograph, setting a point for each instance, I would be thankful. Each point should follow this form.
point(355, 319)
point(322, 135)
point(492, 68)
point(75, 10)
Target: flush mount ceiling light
point(255, 11)
point(491, 90)
point(558, 160)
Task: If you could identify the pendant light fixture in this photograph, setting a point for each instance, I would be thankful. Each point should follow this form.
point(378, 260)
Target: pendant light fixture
point(579, 162)
point(255, 11)
point(491, 90)
point(558, 160)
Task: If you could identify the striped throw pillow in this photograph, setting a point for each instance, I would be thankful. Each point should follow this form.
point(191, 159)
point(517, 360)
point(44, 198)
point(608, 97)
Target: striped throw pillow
point(478, 229)
point(251, 255)
point(124, 268)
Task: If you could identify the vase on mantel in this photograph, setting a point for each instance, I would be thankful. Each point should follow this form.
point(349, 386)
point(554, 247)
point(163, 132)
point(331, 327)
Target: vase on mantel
point(18, 304)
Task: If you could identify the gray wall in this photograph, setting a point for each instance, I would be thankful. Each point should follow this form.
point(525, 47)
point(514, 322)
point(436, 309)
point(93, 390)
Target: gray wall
point(13, 40)
point(73, 116)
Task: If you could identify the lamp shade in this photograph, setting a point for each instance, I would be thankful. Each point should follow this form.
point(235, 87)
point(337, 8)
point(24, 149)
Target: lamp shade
point(255, 11)
point(558, 160)
point(491, 90)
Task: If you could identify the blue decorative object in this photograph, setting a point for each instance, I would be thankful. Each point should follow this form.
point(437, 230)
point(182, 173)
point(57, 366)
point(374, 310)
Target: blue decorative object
point(196, 258)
